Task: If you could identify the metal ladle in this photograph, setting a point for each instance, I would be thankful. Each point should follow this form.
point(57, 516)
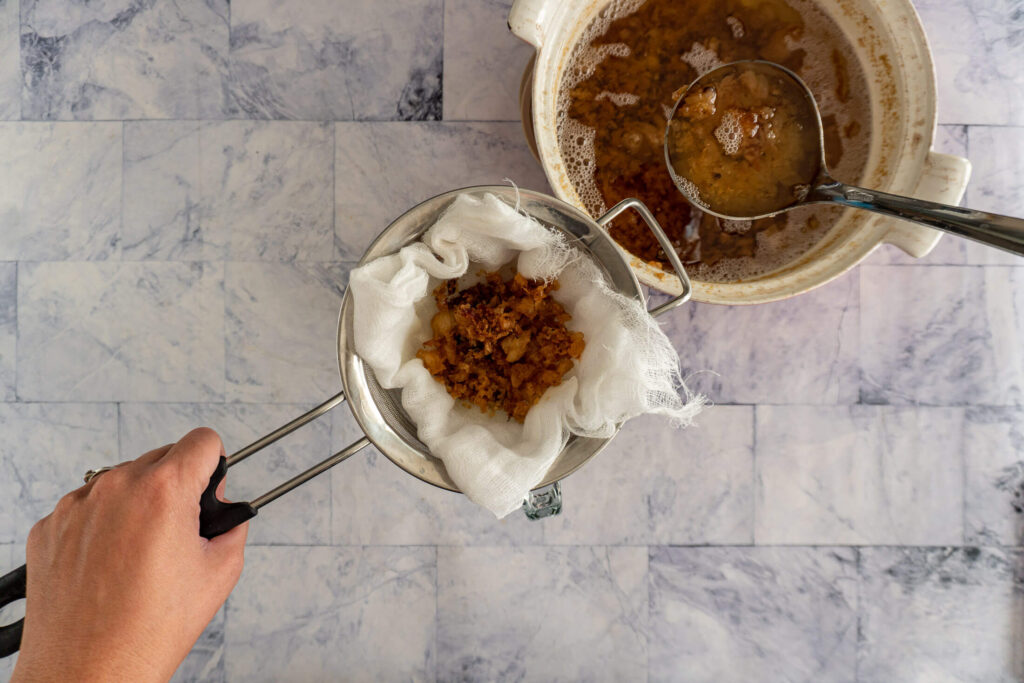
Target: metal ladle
point(1003, 232)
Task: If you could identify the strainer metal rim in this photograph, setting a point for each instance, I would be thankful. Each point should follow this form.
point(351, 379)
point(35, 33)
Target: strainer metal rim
point(356, 376)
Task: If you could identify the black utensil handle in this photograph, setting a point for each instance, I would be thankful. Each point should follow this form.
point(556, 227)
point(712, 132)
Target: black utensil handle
point(215, 516)
point(12, 589)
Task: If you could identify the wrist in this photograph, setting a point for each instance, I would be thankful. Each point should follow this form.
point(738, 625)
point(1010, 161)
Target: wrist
point(77, 664)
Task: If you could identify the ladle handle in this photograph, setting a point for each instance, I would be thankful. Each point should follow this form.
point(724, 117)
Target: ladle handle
point(1002, 232)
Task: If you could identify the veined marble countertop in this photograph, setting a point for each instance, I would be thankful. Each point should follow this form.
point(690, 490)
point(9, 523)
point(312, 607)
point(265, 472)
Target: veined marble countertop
point(183, 189)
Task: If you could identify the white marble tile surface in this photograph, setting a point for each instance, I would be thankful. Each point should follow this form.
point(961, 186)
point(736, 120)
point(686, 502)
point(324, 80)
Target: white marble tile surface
point(182, 251)
point(994, 476)
point(659, 485)
point(801, 350)
point(951, 337)
point(483, 61)
point(46, 450)
point(241, 190)
point(282, 331)
point(119, 59)
point(383, 169)
point(996, 183)
point(78, 342)
point(374, 502)
point(859, 475)
point(60, 191)
point(10, 65)
point(336, 60)
point(300, 519)
point(743, 614)
point(8, 329)
point(977, 51)
point(940, 614)
point(541, 614)
point(323, 613)
point(163, 209)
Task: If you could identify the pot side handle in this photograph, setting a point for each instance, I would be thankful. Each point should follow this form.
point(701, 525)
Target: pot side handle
point(526, 20)
point(944, 180)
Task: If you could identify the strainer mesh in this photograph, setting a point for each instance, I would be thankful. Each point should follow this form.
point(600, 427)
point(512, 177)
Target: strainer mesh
point(389, 403)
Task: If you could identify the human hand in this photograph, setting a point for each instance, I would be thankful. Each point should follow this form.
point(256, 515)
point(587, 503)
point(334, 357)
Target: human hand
point(120, 583)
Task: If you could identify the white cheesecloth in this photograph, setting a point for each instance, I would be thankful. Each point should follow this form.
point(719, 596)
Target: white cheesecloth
point(628, 366)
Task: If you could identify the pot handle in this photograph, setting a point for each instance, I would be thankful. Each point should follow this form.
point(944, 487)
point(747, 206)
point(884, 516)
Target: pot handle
point(666, 246)
point(526, 20)
point(944, 180)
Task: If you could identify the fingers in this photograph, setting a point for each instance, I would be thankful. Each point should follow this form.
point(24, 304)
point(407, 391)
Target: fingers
point(194, 458)
point(154, 455)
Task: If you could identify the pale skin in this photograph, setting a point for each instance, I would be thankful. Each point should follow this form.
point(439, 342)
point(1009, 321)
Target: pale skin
point(120, 583)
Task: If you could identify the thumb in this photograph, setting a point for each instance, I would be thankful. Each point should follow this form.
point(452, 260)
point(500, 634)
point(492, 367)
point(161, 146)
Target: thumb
point(227, 552)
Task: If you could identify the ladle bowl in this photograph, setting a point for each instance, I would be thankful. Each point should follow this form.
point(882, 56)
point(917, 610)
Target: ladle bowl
point(1003, 232)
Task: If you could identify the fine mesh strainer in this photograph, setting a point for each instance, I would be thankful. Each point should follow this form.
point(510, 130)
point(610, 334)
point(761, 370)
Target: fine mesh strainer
point(379, 411)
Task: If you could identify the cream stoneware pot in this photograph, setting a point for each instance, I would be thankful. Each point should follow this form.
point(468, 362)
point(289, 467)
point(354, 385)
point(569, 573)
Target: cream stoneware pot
point(892, 49)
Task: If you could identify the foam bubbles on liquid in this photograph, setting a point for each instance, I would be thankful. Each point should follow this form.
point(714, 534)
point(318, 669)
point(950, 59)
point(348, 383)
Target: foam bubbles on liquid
point(730, 132)
point(738, 31)
point(702, 59)
point(577, 143)
point(619, 99)
point(576, 140)
point(687, 187)
point(774, 248)
point(737, 227)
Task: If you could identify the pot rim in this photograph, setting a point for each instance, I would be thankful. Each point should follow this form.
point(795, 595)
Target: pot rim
point(900, 40)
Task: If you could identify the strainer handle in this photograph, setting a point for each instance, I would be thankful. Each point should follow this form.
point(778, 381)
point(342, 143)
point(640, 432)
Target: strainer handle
point(666, 246)
point(217, 517)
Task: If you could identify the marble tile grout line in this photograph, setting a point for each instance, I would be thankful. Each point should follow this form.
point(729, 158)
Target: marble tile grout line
point(971, 182)
point(963, 475)
point(647, 622)
point(437, 616)
point(21, 72)
point(335, 250)
point(224, 324)
point(17, 327)
point(444, 11)
point(124, 172)
point(753, 475)
point(212, 119)
point(687, 546)
point(857, 612)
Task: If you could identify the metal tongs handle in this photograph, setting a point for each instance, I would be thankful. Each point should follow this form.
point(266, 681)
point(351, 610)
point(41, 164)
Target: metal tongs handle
point(666, 246)
point(215, 516)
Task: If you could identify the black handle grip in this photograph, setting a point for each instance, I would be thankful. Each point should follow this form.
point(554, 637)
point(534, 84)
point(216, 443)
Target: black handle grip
point(12, 589)
point(215, 516)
